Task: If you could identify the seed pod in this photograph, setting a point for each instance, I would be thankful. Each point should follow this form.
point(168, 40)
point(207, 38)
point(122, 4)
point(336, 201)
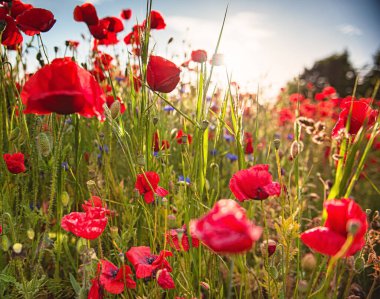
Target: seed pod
point(204, 124)
point(155, 120)
point(114, 232)
point(276, 143)
point(140, 160)
point(43, 144)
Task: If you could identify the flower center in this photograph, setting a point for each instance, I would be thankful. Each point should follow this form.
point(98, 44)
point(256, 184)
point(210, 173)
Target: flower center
point(150, 259)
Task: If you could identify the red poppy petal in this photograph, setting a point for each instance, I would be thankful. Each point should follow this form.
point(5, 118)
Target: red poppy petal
point(323, 240)
point(161, 191)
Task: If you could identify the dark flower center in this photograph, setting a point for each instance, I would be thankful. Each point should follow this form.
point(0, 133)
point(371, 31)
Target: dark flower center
point(150, 259)
point(114, 273)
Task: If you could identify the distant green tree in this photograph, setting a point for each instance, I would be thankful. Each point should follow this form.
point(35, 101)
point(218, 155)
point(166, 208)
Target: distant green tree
point(335, 70)
point(370, 79)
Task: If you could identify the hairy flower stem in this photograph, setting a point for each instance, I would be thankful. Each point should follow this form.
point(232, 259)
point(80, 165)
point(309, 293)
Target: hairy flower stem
point(230, 278)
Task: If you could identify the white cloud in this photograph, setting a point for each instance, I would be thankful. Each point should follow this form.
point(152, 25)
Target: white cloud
point(350, 30)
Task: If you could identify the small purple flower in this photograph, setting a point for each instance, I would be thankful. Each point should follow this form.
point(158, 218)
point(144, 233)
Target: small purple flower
point(213, 152)
point(65, 166)
point(181, 179)
point(231, 157)
point(277, 136)
point(290, 137)
point(68, 121)
point(168, 108)
point(228, 137)
point(105, 148)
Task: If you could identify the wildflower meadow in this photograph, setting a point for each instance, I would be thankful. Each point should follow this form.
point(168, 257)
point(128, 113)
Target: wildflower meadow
point(139, 177)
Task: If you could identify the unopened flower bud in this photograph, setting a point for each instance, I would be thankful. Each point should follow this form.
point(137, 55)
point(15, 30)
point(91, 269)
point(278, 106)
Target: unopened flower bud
point(359, 264)
point(353, 226)
point(296, 148)
point(273, 272)
point(17, 248)
point(65, 198)
point(204, 124)
point(368, 211)
point(308, 262)
point(155, 120)
point(115, 109)
point(114, 232)
point(276, 143)
point(5, 243)
point(30, 233)
point(204, 286)
point(173, 133)
point(184, 139)
point(302, 286)
point(90, 183)
point(43, 144)
point(140, 160)
point(270, 248)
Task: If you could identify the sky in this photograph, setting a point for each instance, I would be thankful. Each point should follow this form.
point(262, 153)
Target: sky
point(265, 43)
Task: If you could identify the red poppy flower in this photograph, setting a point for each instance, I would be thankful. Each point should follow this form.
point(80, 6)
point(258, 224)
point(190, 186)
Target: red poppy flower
point(103, 61)
point(254, 183)
point(179, 138)
point(89, 225)
point(362, 114)
point(295, 97)
point(126, 14)
point(285, 116)
point(113, 279)
point(65, 88)
point(18, 7)
point(86, 13)
point(100, 30)
point(147, 264)
point(248, 140)
point(73, 44)
point(162, 74)
point(329, 239)
point(156, 143)
point(115, 25)
point(95, 202)
point(165, 280)
point(11, 36)
point(96, 292)
point(35, 20)
point(147, 185)
point(156, 21)
point(173, 236)
point(15, 162)
point(225, 228)
point(199, 56)
point(133, 38)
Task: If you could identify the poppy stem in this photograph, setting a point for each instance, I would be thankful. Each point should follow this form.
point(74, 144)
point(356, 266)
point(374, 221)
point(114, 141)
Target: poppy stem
point(230, 277)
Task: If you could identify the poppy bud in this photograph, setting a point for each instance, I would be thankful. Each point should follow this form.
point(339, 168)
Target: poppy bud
point(271, 247)
point(273, 272)
point(114, 232)
point(17, 248)
point(155, 120)
point(56, 49)
point(359, 264)
point(14, 134)
point(173, 133)
point(302, 286)
point(115, 109)
point(204, 286)
point(140, 160)
point(368, 211)
point(276, 143)
point(90, 183)
point(5, 243)
point(204, 124)
point(184, 139)
point(308, 262)
point(65, 198)
point(30, 233)
point(353, 226)
point(43, 144)
point(295, 149)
